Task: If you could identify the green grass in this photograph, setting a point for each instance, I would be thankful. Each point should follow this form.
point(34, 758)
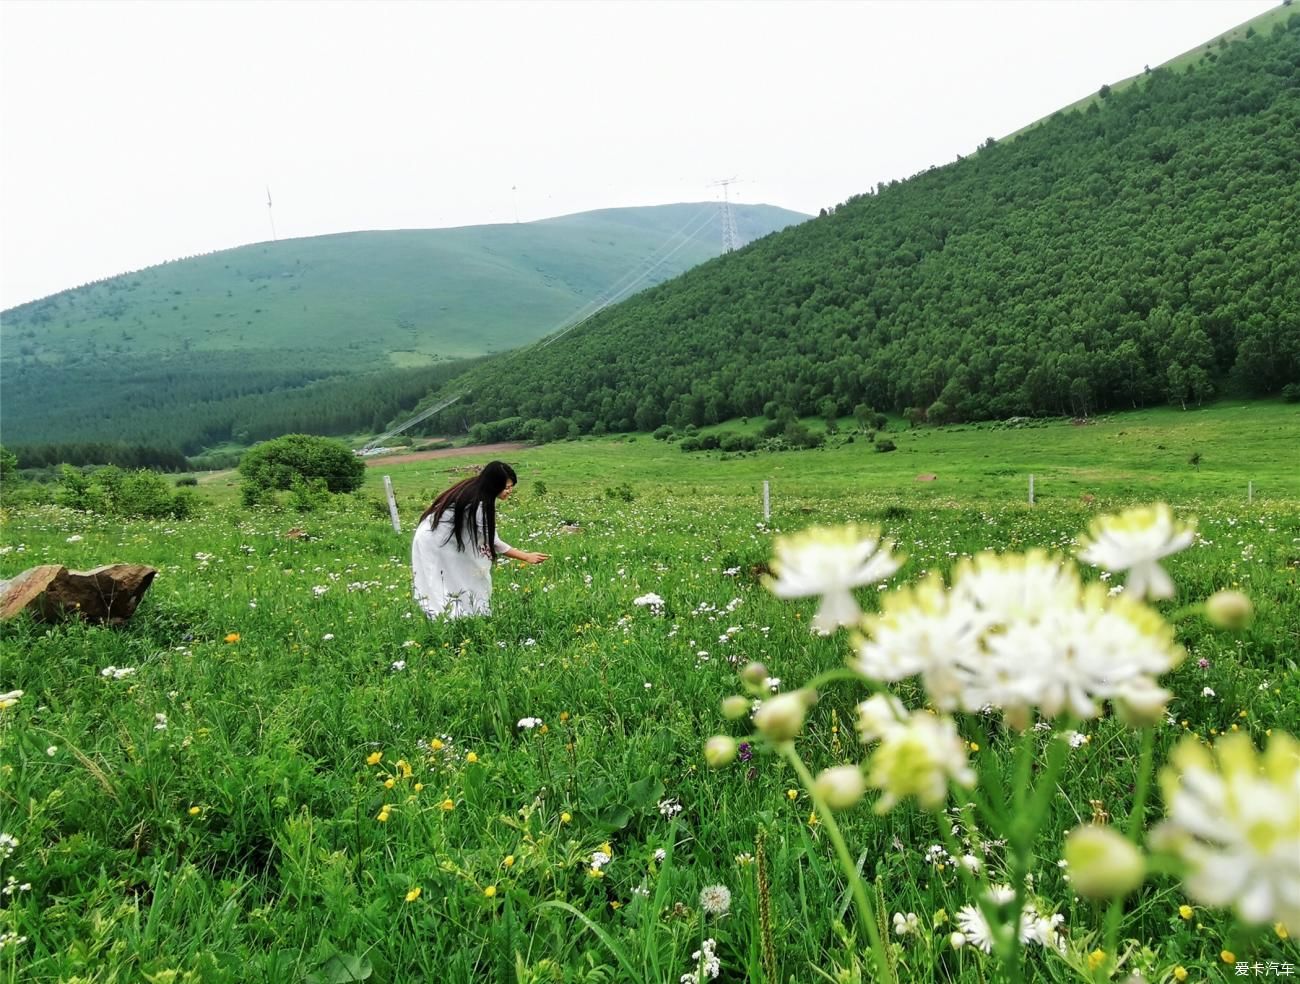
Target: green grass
point(285, 871)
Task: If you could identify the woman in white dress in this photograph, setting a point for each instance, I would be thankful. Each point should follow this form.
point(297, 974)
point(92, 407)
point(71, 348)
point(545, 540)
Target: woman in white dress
point(456, 541)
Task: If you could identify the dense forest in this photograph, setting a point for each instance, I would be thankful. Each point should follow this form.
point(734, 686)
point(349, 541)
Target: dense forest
point(1141, 251)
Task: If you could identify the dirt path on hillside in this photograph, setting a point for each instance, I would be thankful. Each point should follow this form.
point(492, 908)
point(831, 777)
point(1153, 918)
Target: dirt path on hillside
point(483, 450)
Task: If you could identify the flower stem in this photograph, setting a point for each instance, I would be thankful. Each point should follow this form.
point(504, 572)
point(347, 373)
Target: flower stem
point(865, 914)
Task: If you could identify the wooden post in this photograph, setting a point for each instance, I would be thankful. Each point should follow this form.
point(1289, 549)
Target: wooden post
point(767, 501)
point(1031, 490)
point(392, 504)
point(1250, 492)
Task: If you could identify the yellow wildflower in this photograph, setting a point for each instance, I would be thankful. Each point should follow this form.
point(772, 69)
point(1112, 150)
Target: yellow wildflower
point(436, 745)
point(509, 862)
point(1281, 931)
point(1180, 973)
point(232, 637)
point(974, 746)
point(1227, 956)
point(565, 817)
point(448, 805)
point(1185, 911)
point(195, 810)
point(382, 817)
point(471, 758)
point(792, 794)
point(564, 716)
point(373, 758)
point(1096, 958)
point(418, 786)
point(390, 782)
point(490, 891)
point(413, 894)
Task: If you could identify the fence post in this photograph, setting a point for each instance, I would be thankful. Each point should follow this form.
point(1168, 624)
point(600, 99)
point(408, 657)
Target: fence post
point(392, 504)
point(1250, 492)
point(767, 501)
point(1031, 490)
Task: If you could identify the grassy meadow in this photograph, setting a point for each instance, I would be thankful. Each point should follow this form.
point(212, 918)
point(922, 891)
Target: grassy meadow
point(280, 771)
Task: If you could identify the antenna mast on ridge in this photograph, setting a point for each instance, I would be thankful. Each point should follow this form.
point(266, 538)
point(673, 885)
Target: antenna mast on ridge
point(730, 238)
point(270, 214)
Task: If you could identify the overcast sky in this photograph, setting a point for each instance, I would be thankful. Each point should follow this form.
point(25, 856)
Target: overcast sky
point(133, 133)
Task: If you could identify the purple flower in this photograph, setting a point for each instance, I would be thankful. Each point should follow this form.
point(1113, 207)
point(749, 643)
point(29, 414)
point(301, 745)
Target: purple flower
point(1203, 663)
point(745, 751)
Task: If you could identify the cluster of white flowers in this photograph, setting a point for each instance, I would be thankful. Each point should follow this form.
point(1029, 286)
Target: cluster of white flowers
point(160, 721)
point(117, 672)
point(529, 723)
point(397, 666)
point(669, 808)
point(11, 939)
point(1035, 928)
point(707, 963)
point(8, 844)
point(651, 601)
point(10, 699)
point(1017, 632)
point(906, 925)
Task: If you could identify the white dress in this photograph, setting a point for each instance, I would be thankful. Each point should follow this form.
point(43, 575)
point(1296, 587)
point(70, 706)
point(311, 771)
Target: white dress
point(452, 583)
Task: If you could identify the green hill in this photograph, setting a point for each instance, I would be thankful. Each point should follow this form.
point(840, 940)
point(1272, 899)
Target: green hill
point(192, 351)
point(1141, 251)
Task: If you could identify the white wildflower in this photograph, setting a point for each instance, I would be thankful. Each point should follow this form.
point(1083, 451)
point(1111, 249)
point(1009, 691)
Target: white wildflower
point(669, 808)
point(831, 562)
point(1234, 819)
point(160, 721)
point(906, 925)
point(1135, 541)
point(397, 666)
point(919, 759)
point(707, 964)
point(10, 699)
point(529, 723)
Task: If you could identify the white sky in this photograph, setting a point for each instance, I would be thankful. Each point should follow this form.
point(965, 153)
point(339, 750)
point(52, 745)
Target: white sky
point(137, 132)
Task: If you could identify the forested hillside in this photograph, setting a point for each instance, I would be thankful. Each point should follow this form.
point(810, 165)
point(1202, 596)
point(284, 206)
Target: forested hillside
point(1139, 252)
point(331, 334)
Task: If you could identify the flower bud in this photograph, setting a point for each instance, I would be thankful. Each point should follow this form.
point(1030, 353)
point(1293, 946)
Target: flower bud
point(719, 750)
point(754, 674)
point(781, 717)
point(1104, 864)
point(735, 707)
point(840, 787)
point(1229, 610)
point(957, 941)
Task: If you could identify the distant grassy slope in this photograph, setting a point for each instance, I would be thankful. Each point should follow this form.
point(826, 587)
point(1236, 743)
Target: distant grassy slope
point(1259, 24)
point(435, 293)
point(200, 350)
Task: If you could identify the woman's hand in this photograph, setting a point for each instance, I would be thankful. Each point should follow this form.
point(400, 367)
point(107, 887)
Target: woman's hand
point(532, 557)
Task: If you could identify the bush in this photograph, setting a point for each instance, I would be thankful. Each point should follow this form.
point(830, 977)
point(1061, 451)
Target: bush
point(276, 464)
point(622, 493)
point(110, 491)
point(187, 480)
point(1291, 393)
point(539, 489)
point(885, 445)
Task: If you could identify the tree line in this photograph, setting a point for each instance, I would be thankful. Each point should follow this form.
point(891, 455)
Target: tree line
point(1141, 251)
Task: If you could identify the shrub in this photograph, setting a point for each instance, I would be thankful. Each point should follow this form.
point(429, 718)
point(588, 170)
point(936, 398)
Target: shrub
point(187, 480)
point(662, 433)
point(110, 491)
point(623, 492)
point(885, 445)
point(539, 489)
point(1291, 393)
point(276, 464)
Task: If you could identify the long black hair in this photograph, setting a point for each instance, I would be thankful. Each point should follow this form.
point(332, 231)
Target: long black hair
point(464, 500)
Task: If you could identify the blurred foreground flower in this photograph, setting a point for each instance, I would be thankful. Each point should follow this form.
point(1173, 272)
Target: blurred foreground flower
point(1234, 819)
point(831, 561)
point(918, 758)
point(1019, 631)
point(1135, 541)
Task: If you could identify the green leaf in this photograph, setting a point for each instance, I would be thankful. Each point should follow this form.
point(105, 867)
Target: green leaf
point(341, 969)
